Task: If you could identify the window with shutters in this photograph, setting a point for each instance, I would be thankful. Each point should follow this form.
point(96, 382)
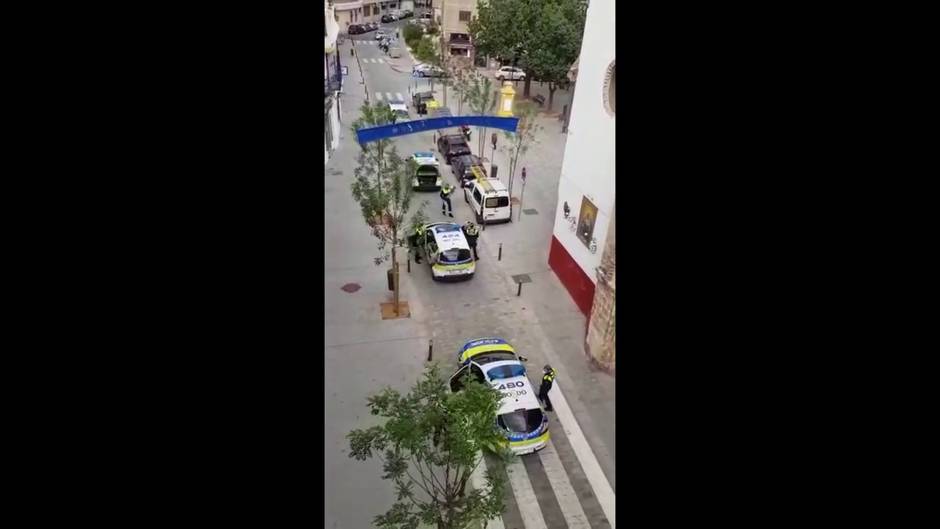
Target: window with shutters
point(464, 16)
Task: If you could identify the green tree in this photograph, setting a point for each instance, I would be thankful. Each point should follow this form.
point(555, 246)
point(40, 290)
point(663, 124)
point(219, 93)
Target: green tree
point(517, 30)
point(430, 443)
point(556, 44)
point(382, 186)
point(518, 142)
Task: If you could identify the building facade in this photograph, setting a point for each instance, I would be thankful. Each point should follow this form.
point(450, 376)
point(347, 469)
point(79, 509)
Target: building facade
point(359, 11)
point(333, 81)
point(454, 16)
point(582, 250)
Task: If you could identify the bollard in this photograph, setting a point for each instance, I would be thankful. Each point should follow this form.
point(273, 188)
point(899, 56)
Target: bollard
point(500, 258)
point(430, 349)
point(519, 292)
point(409, 263)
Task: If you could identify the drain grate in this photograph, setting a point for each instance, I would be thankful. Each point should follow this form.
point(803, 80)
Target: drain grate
point(350, 287)
point(336, 172)
point(522, 278)
point(531, 211)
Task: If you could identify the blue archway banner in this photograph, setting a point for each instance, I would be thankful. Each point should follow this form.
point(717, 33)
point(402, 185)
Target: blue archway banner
point(403, 128)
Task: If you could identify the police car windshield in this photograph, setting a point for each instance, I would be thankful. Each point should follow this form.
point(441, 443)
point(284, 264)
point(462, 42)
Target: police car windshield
point(506, 371)
point(493, 356)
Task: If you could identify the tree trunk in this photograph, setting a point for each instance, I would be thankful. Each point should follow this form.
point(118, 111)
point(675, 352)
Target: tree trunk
point(528, 83)
point(551, 95)
point(395, 272)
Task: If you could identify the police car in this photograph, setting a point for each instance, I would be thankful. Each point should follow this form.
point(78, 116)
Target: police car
point(427, 175)
point(447, 252)
point(520, 417)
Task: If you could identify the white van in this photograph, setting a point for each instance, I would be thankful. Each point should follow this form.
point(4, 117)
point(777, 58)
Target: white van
point(489, 200)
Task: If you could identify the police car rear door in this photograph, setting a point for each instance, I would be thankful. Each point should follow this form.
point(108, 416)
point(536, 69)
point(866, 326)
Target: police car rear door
point(456, 384)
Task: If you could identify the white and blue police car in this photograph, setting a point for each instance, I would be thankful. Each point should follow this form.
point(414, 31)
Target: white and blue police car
point(494, 361)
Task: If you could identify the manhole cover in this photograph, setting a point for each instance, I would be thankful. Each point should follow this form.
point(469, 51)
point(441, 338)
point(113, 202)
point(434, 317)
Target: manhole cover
point(350, 287)
point(531, 211)
point(522, 278)
point(336, 172)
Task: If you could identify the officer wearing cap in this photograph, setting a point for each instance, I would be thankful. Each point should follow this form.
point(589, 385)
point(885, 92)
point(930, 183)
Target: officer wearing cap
point(548, 377)
point(446, 207)
point(472, 232)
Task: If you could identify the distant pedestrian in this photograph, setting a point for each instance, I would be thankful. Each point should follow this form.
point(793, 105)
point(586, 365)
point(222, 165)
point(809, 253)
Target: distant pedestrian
point(445, 200)
point(548, 378)
point(472, 232)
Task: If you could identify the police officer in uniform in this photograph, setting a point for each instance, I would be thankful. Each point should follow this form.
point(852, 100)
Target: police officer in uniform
point(472, 232)
point(445, 200)
point(415, 241)
point(548, 377)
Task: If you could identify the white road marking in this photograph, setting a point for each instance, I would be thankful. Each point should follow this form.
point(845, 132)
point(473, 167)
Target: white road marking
point(380, 60)
point(592, 469)
point(378, 96)
point(388, 96)
point(582, 450)
point(525, 496)
point(564, 492)
point(478, 481)
point(398, 95)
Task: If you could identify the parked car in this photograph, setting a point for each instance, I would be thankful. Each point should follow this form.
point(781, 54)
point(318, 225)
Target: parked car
point(356, 29)
point(460, 165)
point(372, 26)
point(389, 17)
point(448, 255)
point(520, 417)
point(407, 13)
point(399, 108)
point(420, 101)
point(452, 145)
point(427, 70)
point(382, 34)
point(510, 73)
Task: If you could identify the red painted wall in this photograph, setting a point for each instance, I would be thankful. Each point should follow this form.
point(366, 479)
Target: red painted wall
point(578, 284)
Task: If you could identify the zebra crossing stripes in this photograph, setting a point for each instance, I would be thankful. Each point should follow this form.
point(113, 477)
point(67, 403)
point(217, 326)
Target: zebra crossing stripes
point(525, 496)
point(369, 60)
point(561, 486)
point(378, 96)
point(582, 450)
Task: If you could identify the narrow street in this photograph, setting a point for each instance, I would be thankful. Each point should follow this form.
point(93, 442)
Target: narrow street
point(569, 484)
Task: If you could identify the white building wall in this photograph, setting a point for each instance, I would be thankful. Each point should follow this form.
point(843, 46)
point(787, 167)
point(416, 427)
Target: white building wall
point(588, 164)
